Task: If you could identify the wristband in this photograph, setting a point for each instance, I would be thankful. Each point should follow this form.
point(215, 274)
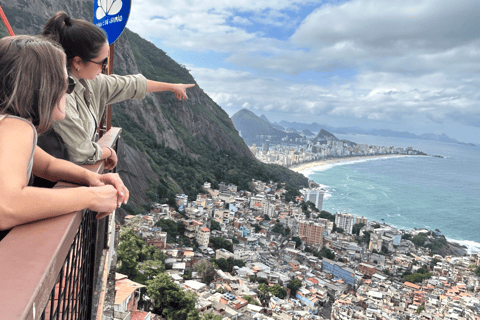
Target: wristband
point(111, 151)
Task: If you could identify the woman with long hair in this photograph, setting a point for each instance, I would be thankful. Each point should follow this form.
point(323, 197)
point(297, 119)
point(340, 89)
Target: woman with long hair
point(33, 87)
point(86, 47)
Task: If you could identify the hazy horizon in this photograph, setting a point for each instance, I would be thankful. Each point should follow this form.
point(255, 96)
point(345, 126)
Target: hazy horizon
point(399, 65)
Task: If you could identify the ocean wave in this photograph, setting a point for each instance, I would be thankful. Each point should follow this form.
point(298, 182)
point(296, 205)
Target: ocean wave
point(341, 162)
point(472, 246)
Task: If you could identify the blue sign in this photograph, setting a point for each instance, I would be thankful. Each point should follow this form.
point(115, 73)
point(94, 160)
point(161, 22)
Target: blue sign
point(111, 16)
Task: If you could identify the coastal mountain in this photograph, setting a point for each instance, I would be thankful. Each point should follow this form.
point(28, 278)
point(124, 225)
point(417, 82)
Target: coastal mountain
point(308, 133)
point(315, 127)
point(323, 137)
point(167, 146)
point(255, 129)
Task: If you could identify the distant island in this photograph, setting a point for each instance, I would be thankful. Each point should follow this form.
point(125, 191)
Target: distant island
point(251, 127)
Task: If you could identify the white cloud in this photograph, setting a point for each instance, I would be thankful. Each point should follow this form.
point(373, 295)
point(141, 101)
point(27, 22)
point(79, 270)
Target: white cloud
point(414, 60)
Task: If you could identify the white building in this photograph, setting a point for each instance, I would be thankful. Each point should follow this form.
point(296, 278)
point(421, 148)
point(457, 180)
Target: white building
point(203, 237)
point(314, 195)
point(344, 221)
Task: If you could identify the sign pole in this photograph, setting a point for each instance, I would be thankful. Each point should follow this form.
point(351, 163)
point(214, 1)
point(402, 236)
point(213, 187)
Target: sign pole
point(112, 18)
point(111, 54)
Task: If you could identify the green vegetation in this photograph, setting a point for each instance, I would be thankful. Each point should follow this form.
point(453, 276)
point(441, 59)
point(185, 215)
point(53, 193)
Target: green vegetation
point(325, 252)
point(205, 271)
point(215, 225)
point(294, 285)
point(257, 227)
point(172, 228)
point(219, 243)
point(308, 207)
point(227, 265)
point(327, 215)
point(134, 254)
point(298, 241)
point(430, 240)
point(250, 299)
point(417, 277)
point(278, 291)
point(170, 301)
point(211, 316)
point(278, 228)
point(356, 228)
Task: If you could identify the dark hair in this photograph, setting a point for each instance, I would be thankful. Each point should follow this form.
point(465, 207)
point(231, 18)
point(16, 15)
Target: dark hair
point(32, 78)
point(77, 37)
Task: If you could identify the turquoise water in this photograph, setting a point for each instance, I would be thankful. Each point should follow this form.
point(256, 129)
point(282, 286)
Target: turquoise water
point(410, 192)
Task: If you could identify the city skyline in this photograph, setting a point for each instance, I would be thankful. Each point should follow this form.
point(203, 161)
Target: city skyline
point(402, 65)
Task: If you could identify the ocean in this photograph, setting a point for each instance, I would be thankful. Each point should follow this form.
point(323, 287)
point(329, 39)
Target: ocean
point(411, 191)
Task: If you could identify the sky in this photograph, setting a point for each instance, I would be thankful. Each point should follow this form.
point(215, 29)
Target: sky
point(400, 65)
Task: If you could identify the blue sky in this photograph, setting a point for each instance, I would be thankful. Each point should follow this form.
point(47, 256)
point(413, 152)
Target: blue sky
point(409, 65)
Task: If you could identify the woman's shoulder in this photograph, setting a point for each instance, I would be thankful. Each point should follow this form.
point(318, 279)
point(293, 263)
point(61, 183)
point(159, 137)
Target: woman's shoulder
point(16, 127)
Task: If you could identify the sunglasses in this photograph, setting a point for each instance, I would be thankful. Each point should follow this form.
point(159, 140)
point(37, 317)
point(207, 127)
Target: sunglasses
point(104, 64)
point(71, 85)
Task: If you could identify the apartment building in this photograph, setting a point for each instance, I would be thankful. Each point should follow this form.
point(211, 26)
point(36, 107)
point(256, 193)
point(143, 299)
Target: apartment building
point(312, 231)
point(344, 221)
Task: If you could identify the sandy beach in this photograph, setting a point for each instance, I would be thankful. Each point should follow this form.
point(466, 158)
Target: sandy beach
point(304, 166)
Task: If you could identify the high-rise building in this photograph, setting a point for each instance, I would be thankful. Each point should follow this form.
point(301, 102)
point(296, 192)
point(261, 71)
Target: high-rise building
point(312, 231)
point(344, 221)
point(314, 195)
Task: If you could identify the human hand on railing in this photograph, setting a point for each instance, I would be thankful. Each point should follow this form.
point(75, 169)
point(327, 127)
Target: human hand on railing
point(110, 162)
point(180, 90)
point(104, 200)
point(111, 179)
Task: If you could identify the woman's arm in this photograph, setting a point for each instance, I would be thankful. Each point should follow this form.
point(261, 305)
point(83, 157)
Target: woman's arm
point(179, 89)
point(21, 204)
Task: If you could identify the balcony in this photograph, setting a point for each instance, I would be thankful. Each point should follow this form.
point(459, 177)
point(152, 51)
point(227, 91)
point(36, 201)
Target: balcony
point(58, 268)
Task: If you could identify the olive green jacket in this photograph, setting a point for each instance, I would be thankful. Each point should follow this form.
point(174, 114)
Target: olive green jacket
point(84, 109)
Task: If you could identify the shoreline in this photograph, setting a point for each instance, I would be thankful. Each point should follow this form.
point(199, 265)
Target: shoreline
point(320, 163)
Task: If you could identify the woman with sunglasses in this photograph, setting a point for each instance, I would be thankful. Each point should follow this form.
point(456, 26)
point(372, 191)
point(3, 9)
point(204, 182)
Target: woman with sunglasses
point(34, 85)
point(86, 47)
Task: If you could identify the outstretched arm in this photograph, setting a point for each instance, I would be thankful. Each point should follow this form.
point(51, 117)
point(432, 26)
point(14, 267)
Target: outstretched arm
point(179, 89)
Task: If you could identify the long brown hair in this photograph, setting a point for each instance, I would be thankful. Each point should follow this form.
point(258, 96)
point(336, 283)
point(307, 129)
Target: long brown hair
point(77, 37)
point(32, 78)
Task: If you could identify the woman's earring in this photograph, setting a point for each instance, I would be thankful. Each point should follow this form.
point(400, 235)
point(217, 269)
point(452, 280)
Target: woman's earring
point(78, 69)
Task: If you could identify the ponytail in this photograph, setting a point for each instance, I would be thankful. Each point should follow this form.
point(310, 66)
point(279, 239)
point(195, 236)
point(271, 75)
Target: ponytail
point(78, 38)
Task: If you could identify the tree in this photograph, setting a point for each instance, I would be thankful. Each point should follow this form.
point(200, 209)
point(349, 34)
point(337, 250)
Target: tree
point(205, 271)
point(151, 268)
point(266, 217)
point(211, 316)
point(277, 228)
point(327, 253)
point(219, 243)
point(227, 265)
point(170, 301)
point(215, 225)
point(298, 241)
point(263, 293)
point(327, 215)
point(294, 285)
point(278, 291)
point(356, 228)
point(250, 299)
point(257, 227)
point(128, 256)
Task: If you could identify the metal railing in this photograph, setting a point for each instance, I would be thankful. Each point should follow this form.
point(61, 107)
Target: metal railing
point(57, 268)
